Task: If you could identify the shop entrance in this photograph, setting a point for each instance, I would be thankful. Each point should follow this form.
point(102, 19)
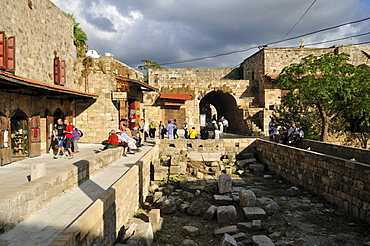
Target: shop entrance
point(19, 135)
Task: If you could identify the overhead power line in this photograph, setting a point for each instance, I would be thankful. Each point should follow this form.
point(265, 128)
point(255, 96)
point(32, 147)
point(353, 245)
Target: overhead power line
point(338, 39)
point(299, 20)
point(274, 42)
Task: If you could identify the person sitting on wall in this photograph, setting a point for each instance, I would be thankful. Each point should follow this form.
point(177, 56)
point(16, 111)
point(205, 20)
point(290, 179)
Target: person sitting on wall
point(115, 141)
point(204, 133)
point(131, 142)
point(136, 136)
point(192, 133)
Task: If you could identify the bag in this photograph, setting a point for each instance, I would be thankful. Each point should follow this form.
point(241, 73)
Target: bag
point(81, 133)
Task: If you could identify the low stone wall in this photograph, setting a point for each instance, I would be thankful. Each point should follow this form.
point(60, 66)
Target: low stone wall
point(100, 224)
point(21, 202)
point(361, 155)
point(340, 181)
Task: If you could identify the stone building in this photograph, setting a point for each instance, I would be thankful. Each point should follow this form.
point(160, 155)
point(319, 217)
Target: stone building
point(41, 81)
point(120, 89)
point(246, 96)
point(36, 79)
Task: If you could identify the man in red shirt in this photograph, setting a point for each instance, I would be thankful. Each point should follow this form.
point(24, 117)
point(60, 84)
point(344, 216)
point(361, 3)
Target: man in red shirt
point(69, 136)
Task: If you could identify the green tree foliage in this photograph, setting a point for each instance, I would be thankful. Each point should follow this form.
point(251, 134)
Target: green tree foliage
point(324, 92)
point(148, 64)
point(80, 37)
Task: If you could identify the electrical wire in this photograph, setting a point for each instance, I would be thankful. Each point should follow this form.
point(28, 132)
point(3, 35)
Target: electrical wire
point(299, 19)
point(274, 42)
point(338, 39)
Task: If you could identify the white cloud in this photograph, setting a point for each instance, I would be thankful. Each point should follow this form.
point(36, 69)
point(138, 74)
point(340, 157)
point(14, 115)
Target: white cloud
point(169, 30)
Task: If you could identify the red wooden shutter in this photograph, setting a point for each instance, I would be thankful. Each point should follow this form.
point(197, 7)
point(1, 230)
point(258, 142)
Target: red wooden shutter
point(10, 54)
point(62, 74)
point(2, 51)
point(56, 71)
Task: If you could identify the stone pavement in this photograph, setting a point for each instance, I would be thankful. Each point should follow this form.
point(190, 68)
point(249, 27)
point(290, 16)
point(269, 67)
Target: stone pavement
point(17, 173)
point(44, 227)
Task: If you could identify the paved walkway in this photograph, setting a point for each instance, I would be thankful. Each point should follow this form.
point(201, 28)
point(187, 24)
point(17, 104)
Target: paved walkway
point(45, 226)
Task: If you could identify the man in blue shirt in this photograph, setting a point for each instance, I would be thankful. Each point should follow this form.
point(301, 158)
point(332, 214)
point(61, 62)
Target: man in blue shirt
point(170, 128)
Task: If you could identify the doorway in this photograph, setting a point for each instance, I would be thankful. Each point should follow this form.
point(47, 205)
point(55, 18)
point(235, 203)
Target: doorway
point(19, 135)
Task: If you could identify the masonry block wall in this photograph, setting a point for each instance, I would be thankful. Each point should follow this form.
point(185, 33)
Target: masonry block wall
point(197, 82)
point(98, 76)
point(342, 182)
point(42, 32)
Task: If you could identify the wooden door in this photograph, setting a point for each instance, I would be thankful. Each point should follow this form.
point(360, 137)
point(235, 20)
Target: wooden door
point(175, 113)
point(49, 132)
point(34, 137)
point(5, 148)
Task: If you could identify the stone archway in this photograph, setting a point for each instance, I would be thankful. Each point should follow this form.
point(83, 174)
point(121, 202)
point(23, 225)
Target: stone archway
point(224, 105)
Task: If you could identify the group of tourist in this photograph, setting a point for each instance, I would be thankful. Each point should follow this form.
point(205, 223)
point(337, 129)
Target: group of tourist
point(286, 134)
point(67, 136)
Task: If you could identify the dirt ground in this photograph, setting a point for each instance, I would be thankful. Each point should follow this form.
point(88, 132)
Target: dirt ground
point(302, 220)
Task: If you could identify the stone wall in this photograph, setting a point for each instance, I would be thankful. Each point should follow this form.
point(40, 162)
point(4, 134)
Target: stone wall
point(344, 152)
point(197, 82)
point(101, 223)
point(342, 182)
point(98, 76)
point(42, 32)
point(21, 202)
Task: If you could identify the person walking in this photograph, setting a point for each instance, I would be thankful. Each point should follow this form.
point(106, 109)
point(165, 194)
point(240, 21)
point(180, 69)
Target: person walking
point(69, 135)
point(175, 129)
point(76, 136)
point(162, 130)
point(59, 135)
point(170, 128)
point(152, 129)
point(186, 129)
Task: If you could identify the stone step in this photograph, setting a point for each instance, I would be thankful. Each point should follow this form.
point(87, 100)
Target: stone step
point(254, 213)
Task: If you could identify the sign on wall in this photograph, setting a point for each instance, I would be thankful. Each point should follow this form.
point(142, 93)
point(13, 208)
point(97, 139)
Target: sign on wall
point(119, 95)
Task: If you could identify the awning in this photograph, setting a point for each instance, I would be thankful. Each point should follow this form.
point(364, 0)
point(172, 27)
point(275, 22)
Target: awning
point(144, 86)
point(182, 97)
point(16, 84)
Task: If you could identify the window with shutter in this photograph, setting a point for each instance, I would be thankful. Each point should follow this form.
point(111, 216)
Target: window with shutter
point(2, 51)
point(62, 73)
point(56, 71)
point(10, 54)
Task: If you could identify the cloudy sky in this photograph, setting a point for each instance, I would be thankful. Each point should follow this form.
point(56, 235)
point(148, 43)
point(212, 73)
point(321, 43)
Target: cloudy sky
point(169, 31)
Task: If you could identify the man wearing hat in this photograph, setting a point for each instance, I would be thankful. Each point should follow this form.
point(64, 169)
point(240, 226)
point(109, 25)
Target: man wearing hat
point(186, 129)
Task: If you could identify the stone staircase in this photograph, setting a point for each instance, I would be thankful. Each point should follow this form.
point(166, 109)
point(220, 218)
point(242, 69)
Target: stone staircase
point(251, 116)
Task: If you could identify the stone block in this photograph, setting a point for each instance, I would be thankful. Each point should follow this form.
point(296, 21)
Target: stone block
point(175, 169)
point(224, 184)
point(155, 219)
point(143, 235)
point(254, 213)
point(37, 170)
point(210, 212)
point(244, 226)
point(228, 229)
point(184, 207)
point(228, 240)
point(182, 166)
point(238, 182)
point(222, 200)
point(256, 225)
point(257, 168)
point(195, 156)
point(226, 215)
point(247, 198)
point(240, 236)
point(129, 231)
point(195, 208)
point(245, 162)
point(262, 240)
point(191, 231)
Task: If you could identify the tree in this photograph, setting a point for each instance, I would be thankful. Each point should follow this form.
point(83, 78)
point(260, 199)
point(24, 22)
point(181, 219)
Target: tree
point(328, 85)
point(79, 37)
point(148, 64)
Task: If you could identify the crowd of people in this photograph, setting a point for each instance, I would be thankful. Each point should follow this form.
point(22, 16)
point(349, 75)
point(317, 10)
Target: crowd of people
point(66, 137)
point(290, 135)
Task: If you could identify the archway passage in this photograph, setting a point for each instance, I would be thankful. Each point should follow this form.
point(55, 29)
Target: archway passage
point(224, 104)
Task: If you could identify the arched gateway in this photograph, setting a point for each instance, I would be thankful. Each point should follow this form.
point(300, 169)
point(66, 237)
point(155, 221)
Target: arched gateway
point(218, 104)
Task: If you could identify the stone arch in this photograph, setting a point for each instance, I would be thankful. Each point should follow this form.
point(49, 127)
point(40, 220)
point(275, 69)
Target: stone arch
point(58, 114)
point(225, 105)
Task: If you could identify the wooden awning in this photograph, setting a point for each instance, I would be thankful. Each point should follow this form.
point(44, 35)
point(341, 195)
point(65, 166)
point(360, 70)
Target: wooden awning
point(182, 97)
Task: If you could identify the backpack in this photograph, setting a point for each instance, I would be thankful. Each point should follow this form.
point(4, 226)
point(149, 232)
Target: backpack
point(81, 133)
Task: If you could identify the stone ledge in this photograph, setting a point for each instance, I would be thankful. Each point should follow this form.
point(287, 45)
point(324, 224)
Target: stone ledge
point(21, 202)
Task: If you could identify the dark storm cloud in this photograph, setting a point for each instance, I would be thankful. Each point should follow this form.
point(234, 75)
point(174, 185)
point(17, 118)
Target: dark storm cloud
point(170, 30)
